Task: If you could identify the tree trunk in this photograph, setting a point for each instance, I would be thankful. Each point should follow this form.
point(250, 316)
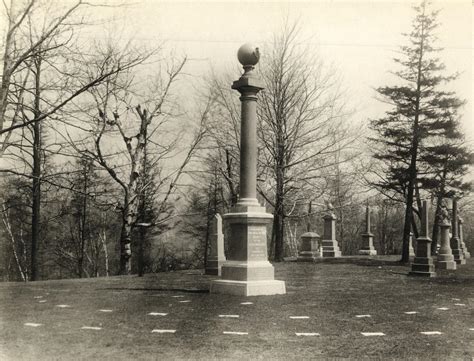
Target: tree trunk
point(126, 240)
point(83, 225)
point(36, 183)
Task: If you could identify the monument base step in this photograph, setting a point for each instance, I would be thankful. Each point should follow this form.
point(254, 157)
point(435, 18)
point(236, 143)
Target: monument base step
point(212, 271)
point(248, 288)
point(422, 274)
point(422, 267)
point(332, 254)
point(460, 261)
point(368, 252)
point(307, 258)
point(445, 265)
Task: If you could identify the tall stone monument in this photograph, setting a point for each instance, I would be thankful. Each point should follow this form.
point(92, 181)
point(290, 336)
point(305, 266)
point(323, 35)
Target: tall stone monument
point(466, 252)
point(367, 237)
point(330, 245)
point(445, 256)
point(411, 249)
point(423, 263)
point(455, 242)
point(247, 271)
point(216, 257)
point(310, 247)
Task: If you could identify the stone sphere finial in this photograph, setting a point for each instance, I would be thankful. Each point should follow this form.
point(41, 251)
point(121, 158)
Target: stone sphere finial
point(248, 55)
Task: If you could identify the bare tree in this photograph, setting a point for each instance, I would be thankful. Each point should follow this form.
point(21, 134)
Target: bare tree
point(118, 137)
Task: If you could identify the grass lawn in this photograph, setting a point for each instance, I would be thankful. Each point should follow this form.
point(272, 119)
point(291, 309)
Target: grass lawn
point(331, 294)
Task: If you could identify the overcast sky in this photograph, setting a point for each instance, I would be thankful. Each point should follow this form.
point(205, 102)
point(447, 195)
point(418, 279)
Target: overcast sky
point(359, 37)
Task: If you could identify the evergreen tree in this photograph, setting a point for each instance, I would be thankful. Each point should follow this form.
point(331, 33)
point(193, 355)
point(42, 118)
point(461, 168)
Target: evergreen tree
point(420, 114)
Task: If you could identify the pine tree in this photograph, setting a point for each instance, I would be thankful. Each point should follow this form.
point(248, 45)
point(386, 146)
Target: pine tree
point(448, 161)
point(420, 113)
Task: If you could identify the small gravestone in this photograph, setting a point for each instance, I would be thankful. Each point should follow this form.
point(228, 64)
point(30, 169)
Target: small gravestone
point(367, 237)
point(466, 252)
point(423, 263)
point(216, 256)
point(330, 245)
point(445, 256)
point(455, 242)
point(411, 249)
point(310, 247)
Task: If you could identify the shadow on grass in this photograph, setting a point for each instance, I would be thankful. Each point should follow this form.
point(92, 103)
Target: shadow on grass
point(184, 290)
point(359, 261)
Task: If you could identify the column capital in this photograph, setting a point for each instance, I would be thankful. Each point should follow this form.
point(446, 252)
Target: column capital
point(248, 85)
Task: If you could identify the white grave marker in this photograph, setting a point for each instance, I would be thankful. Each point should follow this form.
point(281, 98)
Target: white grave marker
point(431, 333)
point(105, 310)
point(63, 306)
point(229, 316)
point(246, 303)
point(163, 331)
point(235, 333)
point(185, 301)
point(31, 324)
point(41, 301)
point(363, 316)
point(307, 334)
point(91, 328)
point(460, 304)
point(299, 317)
point(443, 308)
point(157, 314)
point(177, 296)
point(368, 334)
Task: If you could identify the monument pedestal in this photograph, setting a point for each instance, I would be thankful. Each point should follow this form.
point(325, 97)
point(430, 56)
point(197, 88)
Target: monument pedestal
point(445, 256)
point(310, 247)
point(455, 241)
point(465, 251)
point(216, 257)
point(423, 263)
point(457, 251)
point(247, 271)
point(368, 245)
point(330, 246)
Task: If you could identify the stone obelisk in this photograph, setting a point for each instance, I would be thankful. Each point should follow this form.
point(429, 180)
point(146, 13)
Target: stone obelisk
point(367, 237)
point(455, 242)
point(423, 263)
point(247, 271)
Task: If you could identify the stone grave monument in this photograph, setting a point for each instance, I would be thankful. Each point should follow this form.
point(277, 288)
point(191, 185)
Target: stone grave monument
point(411, 249)
point(310, 247)
point(247, 271)
point(367, 237)
point(330, 245)
point(216, 257)
point(455, 242)
point(423, 265)
point(445, 256)
point(466, 252)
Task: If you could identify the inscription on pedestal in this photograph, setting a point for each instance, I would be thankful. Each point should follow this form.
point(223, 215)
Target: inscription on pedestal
point(257, 243)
